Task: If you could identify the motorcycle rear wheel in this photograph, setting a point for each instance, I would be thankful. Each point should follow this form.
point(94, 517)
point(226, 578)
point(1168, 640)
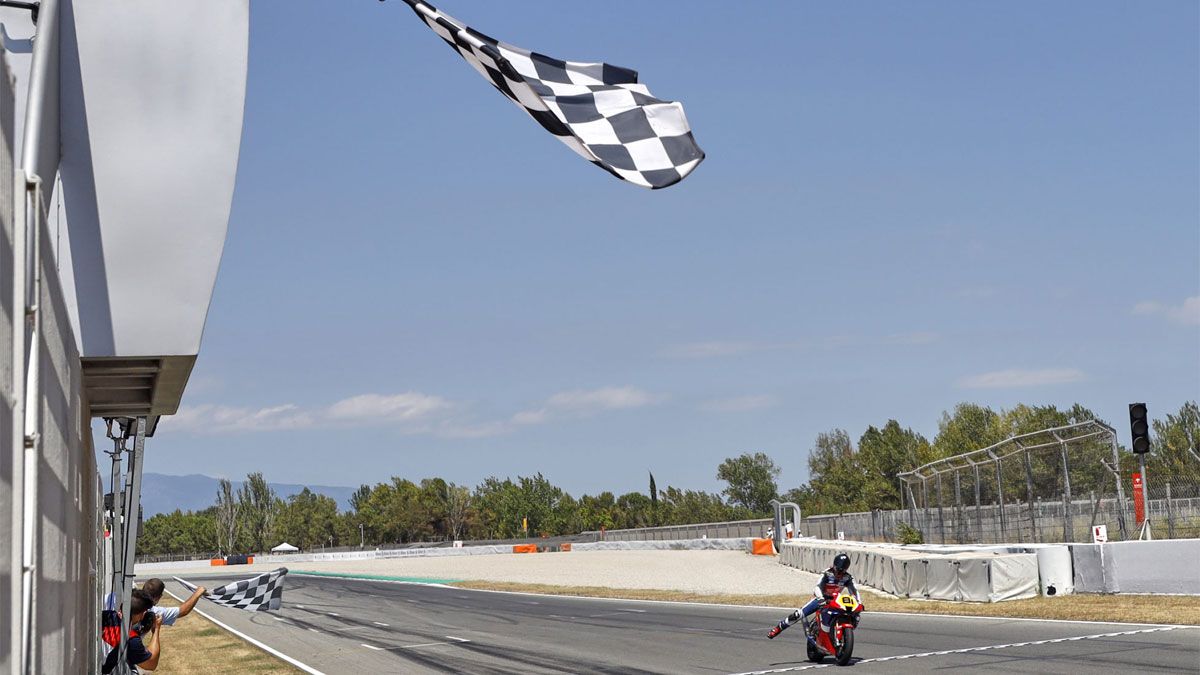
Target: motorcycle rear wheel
point(846, 649)
point(815, 655)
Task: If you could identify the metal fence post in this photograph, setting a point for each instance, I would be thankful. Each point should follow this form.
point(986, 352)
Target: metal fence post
point(941, 516)
point(1029, 497)
point(1170, 515)
point(958, 524)
point(978, 514)
point(1120, 490)
point(925, 507)
point(1000, 498)
point(1068, 516)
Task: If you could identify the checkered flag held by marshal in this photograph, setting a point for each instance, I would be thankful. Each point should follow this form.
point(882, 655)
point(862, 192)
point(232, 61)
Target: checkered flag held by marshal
point(259, 594)
point(598, 110)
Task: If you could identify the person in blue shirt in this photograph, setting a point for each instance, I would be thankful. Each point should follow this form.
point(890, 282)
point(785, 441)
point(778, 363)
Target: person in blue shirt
point(155, 587)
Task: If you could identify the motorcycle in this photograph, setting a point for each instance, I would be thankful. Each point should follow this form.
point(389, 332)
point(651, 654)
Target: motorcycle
point(841, 613)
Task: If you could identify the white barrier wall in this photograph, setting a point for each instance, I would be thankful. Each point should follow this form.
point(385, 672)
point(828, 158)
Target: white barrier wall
point(979, 576)
point(1162, 566)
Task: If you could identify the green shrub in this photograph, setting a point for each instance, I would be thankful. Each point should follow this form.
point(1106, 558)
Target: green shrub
point(907, 534)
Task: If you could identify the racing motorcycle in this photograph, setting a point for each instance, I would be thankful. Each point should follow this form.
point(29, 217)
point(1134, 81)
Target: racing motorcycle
point(841, 613)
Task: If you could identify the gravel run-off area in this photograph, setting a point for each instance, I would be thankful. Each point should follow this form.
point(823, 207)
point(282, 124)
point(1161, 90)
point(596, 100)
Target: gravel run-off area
point(709, 572)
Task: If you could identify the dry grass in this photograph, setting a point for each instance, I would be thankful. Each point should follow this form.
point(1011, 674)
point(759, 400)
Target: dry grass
point(197, 646)
point(1164, 609)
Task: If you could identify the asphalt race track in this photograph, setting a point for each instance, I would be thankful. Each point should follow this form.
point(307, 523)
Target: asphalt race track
point(349, 626)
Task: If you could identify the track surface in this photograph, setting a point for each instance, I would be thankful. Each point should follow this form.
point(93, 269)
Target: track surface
point(350, 626)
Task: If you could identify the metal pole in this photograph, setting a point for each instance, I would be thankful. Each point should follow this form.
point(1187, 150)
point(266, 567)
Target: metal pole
point(1121, 506)
point(1029, 497)
point(925, 506)
point(1145, 498)
point(31, 441)
point(130, 506)
point(1000, 498)
point(1170, 515)
point(941, 516)
point(958, 519)
point(1068, 505)
point(978, 515)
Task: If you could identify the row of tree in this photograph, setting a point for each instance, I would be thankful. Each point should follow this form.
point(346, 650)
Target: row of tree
point(844, 477)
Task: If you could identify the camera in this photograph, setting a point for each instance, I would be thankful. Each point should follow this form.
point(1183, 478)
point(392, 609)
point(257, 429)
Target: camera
point(147, 623)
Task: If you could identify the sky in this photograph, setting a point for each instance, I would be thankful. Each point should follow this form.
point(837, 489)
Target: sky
point(903, 207)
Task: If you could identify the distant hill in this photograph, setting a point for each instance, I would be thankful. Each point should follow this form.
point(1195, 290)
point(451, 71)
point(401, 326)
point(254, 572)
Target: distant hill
point(162, 493)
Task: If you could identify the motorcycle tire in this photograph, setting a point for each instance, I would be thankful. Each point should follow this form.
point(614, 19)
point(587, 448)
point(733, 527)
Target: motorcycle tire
point(846, 649)
point(815, 655)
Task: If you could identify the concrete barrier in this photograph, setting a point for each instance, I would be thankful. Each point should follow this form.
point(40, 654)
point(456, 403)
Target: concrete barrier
point(1162, 566)
point(734, 544)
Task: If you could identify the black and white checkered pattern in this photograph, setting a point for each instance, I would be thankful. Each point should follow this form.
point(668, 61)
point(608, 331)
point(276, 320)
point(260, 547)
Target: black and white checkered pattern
point(598, 110)
point(259, 594)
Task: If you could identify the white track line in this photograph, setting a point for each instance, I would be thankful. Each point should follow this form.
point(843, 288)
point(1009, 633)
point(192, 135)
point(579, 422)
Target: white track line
point(379, 623)
point(968, 650)
point(265, 647)
point(378, 649)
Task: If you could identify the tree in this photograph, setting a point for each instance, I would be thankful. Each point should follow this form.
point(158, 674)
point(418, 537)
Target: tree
point(256, 503)
point(227, 517)
point(310, 520)
point(751, 481)
point(458, 507)
point(835, 475)
point(653, 500)
point(359, 499)
point(970, 427)
point(1175, 449)
point(883, 455)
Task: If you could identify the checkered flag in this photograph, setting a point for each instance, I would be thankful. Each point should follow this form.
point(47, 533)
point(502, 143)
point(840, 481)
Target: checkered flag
point(598, 110)
point(259, 594)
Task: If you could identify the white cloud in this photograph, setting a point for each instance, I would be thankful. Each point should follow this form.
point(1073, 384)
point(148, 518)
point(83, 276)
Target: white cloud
point(606, 398)
point(585, 402)
point(404, 407)
point(409, 412)
point(1188, 312)
point(1016, 377)
point(739, 403)
point(216, 419)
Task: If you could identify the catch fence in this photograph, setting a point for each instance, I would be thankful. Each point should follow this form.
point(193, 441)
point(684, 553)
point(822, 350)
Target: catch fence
point(1052, 485)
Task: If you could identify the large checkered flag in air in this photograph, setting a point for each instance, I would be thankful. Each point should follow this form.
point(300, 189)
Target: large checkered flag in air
point(598, 110)
point(259, 594)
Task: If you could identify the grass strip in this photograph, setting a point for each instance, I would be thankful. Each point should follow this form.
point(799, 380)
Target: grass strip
point(373, 577)
point(197, 646)
point(1148, 609)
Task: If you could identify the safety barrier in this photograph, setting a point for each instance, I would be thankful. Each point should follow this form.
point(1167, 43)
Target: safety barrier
point(1160, 566)
point(977, 576)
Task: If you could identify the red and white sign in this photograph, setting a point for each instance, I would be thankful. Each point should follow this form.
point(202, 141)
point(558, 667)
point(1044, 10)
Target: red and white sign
point(1139, 499)
point(1099, 534)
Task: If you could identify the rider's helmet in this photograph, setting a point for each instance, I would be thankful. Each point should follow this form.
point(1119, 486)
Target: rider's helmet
point(841, 562)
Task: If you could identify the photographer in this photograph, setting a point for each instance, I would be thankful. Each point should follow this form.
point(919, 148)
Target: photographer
point(155, 587)
point(142, 621)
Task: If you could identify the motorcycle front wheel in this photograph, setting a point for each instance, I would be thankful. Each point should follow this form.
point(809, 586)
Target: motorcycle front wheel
point(846, 648)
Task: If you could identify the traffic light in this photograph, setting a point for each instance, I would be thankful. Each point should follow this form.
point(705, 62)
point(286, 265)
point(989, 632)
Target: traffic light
point(1139, 425)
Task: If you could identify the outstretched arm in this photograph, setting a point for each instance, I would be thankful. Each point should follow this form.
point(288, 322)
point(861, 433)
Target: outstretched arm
point(187, 606)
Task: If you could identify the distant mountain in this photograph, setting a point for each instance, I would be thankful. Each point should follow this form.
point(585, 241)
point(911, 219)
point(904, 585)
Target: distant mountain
point(162, 493)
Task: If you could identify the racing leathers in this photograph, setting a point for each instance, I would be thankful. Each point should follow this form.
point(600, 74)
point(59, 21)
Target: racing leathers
point(830, 585)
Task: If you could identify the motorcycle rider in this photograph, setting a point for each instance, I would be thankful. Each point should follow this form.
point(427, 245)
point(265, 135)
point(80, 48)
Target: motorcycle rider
point(832, 582)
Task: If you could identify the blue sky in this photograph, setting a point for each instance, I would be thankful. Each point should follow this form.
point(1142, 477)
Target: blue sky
point(903, 207)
